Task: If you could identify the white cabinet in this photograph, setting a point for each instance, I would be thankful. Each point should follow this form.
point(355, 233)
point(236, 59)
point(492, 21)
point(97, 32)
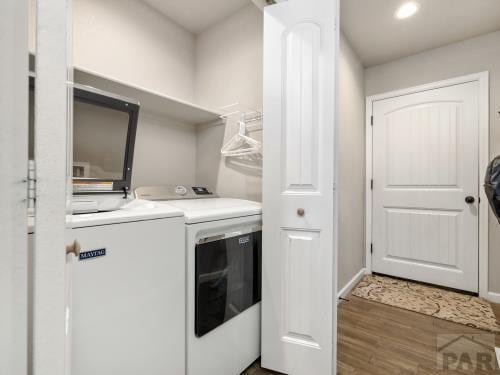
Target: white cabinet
point(127, 299)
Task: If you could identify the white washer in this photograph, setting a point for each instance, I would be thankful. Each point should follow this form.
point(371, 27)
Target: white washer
point(223, 260)
point(127, 300)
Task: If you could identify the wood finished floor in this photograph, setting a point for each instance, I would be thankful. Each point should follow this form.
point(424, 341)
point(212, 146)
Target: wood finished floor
point(377, 339)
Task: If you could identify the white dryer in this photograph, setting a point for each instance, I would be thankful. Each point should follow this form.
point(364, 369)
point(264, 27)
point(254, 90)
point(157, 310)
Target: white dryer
point(223, 277)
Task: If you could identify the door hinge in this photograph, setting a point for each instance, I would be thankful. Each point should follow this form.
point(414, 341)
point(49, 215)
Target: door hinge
point(371, 120)
point(371, 248)
point(31, 185)
point(371, 184)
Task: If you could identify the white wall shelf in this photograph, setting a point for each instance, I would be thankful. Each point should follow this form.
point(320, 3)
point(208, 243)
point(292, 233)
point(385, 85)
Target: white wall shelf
point(150, 100)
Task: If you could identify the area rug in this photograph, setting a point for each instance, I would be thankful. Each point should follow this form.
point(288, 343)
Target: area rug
point(444, 304)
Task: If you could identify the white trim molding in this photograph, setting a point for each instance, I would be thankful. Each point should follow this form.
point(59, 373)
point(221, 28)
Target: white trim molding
point(351, 284)
point(13, 187)
point(51, 129)
point(493, 297)
point(368, 188)
point(483, 80)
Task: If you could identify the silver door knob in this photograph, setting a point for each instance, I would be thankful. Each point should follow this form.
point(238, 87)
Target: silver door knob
point(301, 212)
point(74, 248)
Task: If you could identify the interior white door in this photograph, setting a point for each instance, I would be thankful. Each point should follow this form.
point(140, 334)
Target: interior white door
point(299, 270)
point(425, 191)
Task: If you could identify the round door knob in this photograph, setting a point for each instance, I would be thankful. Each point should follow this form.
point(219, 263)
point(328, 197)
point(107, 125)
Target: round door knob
point(469, 200)
point(301, 212)
point(74, 248)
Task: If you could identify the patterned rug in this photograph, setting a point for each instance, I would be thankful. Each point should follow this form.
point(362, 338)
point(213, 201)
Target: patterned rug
point(455, 307)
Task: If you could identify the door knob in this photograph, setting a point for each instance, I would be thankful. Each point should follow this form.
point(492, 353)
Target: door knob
point(469, 199)
point(74, 248)
point(301, 212)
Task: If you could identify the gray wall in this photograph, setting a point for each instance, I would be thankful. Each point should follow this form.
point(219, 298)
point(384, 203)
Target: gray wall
point(165, 152)
point(228, 70)
point(351, 164)
point(129, 41)
point(470, 56)
point(221, 66)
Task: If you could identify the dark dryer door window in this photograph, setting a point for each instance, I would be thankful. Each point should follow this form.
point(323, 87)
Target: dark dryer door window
point(228, 278)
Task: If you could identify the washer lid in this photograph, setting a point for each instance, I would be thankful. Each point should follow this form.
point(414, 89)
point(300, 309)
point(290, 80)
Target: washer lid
point(201, 210)
point(137, 210)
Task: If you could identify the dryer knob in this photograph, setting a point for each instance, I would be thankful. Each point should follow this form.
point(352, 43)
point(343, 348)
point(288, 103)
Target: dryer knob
point(180, 190)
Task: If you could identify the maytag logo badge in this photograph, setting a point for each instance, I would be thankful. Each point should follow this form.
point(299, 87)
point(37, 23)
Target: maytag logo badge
point(244, 240)
point(92, 254)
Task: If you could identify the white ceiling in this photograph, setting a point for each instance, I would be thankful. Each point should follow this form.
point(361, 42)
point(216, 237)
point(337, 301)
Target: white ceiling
point(377, 37)
point(197, 15)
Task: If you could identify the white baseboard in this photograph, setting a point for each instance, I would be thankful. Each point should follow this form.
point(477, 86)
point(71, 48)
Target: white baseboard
point(493, 297)
point(351, 284)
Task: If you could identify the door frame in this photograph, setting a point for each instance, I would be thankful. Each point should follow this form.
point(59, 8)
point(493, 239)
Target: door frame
point(484, 157)
point(14, 187)
point(52, 146)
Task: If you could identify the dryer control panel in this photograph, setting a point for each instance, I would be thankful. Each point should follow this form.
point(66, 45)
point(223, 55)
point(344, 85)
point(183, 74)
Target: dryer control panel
point(200, 190)
point(173, 192)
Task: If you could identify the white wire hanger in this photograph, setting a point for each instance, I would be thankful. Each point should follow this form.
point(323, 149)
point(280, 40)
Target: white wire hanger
point(240, 144)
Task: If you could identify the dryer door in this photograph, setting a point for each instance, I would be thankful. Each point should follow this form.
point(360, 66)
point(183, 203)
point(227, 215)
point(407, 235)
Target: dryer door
point(228, 278)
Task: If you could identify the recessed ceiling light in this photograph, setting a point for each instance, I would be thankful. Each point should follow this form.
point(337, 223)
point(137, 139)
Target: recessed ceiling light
point(407, 10)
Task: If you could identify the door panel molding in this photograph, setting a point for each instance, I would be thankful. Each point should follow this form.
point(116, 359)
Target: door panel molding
point(483, 80)
point(301, 66)
point(302, 259)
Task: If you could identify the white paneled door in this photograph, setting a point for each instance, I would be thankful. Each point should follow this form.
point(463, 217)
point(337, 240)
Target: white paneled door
point(425, 186)
point(299, 278)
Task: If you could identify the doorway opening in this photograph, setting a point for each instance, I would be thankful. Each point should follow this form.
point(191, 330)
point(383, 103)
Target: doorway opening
point(416, 258)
